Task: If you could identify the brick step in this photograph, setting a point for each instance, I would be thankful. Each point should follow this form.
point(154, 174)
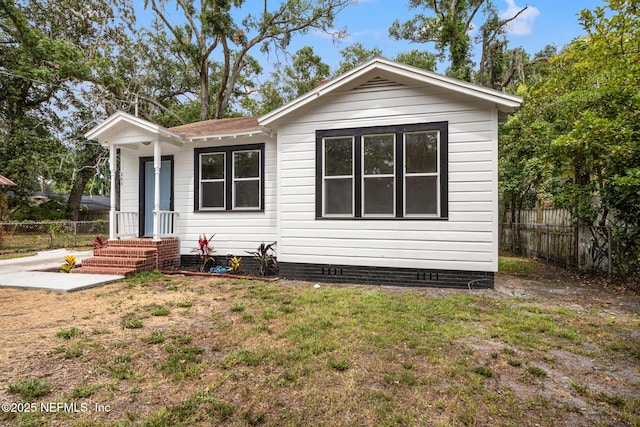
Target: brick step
point(118, 262)
point(125, 251)
point(105, 270)
point(140, 243)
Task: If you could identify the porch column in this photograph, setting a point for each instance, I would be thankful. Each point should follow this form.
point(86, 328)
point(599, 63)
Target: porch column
point(112, 202)
point(157, 162)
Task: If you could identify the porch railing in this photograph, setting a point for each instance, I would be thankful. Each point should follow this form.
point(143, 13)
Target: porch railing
point(126, 224)
point(166, 222)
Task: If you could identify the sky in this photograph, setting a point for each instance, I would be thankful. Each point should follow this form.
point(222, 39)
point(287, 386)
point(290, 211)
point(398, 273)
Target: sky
point(544, 22)
point(367, 22)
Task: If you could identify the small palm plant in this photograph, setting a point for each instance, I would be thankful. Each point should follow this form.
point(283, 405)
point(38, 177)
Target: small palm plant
point(266, 260)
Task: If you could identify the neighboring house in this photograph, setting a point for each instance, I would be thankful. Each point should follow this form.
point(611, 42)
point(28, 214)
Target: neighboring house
point(92, 207)
point(387, 174)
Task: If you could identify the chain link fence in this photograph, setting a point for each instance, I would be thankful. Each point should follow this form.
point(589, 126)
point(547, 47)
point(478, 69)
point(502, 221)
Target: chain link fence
point(610, 250)
point(35, 236)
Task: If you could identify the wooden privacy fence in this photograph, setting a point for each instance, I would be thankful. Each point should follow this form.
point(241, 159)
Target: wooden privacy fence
point(584, 247)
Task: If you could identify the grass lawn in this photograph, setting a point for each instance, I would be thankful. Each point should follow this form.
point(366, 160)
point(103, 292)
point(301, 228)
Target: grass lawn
point(171, 350)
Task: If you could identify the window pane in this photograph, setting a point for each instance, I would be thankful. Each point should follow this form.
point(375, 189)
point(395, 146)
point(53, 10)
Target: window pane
point(246, 164)
point(247, 194)
point(338, 156)
point(212, 166)
point(378, 154)
point(212, 194)
point(421, 152)
point(338, 196)
point(378, 196)
point(421, 195)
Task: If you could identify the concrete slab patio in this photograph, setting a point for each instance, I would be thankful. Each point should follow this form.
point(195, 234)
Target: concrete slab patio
point(27, 272)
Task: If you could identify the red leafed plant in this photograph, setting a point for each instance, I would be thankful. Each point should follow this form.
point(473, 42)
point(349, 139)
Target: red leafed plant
point(98, 243)
point(205, 251)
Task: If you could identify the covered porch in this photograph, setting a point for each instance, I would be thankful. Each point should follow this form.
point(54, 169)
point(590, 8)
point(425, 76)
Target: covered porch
point(155, 218)
point(145, 239)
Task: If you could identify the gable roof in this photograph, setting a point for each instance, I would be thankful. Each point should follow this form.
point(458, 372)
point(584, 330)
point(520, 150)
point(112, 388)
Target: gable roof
point(385, 72)
point(120, 118)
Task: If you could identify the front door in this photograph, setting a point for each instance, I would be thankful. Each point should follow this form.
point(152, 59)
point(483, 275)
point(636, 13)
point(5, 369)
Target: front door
point(148, 183)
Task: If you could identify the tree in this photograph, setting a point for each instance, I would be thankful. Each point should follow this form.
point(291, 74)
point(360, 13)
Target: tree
point(34, 69)
point(448, 27)
point(47, 50)
point(354, 55)
point(580, 122)
point(497, 67)
point(449, 30)
point(421, 59)
point(211, 27)
point(288, 82)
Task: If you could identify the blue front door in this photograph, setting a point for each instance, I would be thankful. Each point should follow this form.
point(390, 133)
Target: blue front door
point(149, 191)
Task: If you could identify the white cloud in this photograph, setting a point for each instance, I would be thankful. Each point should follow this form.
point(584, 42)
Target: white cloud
point(523, 25)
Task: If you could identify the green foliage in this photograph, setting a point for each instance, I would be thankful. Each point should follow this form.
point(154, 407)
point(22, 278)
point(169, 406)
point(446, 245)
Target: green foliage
point(219, 30)
point(47, 53)
point(266, 258)
point(51, 210)
point(67, 334)
point(30, 388)
point(84, 390)
point(156, 337)
point(131, 323)
point(575, 139)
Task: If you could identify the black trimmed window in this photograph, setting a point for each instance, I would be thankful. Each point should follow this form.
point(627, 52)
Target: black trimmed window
point(229, 178)
point(383, 172)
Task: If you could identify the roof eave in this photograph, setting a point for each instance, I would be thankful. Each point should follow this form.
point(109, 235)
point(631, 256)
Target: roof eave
point(220, 136)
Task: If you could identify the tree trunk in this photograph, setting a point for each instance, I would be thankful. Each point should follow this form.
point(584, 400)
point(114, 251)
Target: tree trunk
point(75, 196)
point(205, 99)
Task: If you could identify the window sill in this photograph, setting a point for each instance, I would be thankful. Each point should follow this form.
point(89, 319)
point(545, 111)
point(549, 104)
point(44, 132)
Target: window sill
point(382, 218)
point(221, 211)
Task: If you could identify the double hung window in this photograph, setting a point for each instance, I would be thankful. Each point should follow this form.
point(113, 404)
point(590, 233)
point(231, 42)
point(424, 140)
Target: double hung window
point(382, 172)
point(229, 178)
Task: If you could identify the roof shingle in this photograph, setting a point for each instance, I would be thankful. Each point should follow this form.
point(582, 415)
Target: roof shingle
point(218, 127)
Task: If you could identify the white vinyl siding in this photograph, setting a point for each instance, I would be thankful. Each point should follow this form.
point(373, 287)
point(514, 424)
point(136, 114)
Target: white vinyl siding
point(235, 231)
point(467, 240)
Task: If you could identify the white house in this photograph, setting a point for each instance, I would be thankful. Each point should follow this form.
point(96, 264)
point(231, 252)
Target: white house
point(386, 174)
